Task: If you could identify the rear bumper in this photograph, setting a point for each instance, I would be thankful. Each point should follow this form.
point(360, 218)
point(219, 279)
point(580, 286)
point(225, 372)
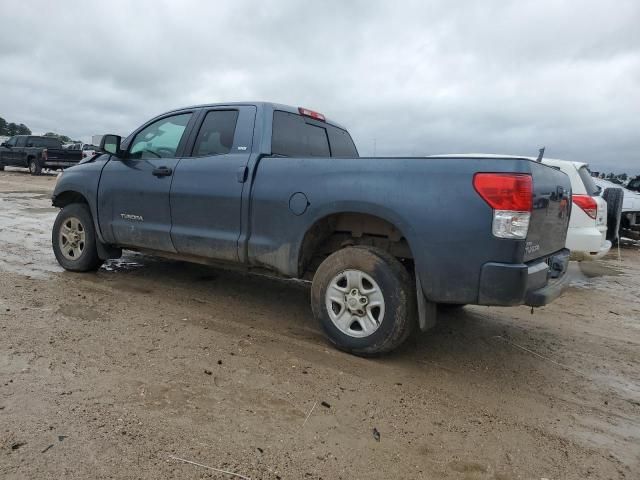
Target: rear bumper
point(592, 255)
point(59, 163)
point(535, 284)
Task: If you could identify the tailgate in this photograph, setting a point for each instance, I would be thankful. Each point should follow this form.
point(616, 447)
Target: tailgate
point(61, 154)
point(551, 209)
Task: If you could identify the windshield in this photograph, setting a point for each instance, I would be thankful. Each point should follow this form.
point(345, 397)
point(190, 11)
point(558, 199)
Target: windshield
point(634, 185)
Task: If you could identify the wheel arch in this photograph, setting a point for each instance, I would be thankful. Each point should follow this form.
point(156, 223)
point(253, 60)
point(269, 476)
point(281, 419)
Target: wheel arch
point(347, 226)
point(68, 197)
point(71, 195)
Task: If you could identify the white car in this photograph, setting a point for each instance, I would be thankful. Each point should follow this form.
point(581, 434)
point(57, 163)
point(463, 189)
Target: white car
point(88, 150)
point(587, 234)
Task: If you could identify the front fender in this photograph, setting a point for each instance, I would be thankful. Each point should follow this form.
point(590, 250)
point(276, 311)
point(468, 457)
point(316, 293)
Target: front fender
point(80, 180)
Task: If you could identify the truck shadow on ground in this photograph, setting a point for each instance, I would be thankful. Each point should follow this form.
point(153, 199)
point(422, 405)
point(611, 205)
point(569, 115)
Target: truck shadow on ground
point(471, 339)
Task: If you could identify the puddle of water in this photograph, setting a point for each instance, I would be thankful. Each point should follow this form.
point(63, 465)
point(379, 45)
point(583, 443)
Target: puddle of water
point(619, 435)
point(26, 220)
point(597, 269)
point(625, 387)
point(129, 261)
point(591, 274)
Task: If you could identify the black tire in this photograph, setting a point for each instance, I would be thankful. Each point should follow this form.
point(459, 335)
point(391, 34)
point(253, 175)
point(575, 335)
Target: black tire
point(614, 198)
point(397, 289)
point(88, 259)
point(1, 168)
point(35, 167)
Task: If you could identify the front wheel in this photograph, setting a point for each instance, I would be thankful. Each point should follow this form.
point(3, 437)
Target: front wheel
point(74, 239)
point(364, 300)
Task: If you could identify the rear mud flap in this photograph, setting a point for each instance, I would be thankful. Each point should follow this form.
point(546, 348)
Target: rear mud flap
point(427, 311)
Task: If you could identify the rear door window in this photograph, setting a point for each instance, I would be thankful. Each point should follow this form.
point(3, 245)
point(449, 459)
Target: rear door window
point(294, 137)
point(216, 133)
point(22, 141)
point(587, 179)
point(341, 143)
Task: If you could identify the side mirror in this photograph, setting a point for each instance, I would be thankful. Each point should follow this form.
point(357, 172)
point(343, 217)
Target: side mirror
point(111, 144)
point(5, 145)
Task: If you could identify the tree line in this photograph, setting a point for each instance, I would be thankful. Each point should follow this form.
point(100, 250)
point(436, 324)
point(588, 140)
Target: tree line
point(9, 129)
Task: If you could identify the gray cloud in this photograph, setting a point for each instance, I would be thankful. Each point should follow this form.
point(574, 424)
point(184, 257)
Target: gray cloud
point(418, 77)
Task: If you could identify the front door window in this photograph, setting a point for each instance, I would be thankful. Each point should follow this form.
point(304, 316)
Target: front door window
point(160, 139)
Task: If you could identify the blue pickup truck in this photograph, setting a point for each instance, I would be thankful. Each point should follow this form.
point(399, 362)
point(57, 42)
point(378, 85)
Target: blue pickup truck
point(282, 189)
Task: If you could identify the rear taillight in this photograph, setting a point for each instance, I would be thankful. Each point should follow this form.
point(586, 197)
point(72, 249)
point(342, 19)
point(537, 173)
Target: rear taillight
point(587, 204)
point(511, 197)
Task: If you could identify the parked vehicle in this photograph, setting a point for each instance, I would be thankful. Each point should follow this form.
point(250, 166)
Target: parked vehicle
point(87, 149)
point(36, 153)
point(629, 224)
point(634, 184)
point(282, 189)
point(587, 235)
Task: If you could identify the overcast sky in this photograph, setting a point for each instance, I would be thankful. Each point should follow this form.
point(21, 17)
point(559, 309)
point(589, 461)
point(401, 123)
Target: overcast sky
point(411, 78)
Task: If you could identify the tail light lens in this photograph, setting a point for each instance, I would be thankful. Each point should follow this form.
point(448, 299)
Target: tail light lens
point(587, 204)
point(511, 197)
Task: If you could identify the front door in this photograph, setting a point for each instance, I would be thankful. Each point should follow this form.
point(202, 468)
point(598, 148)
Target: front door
point(207, 187)
point(134, 190)
point(9, 153)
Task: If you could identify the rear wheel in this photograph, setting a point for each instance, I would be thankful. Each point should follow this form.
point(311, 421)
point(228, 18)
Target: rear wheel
point(1, 168)
point(74, 239)
point(364, 300)
point(34, 166)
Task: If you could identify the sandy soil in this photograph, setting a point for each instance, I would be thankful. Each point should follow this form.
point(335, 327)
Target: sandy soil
point(111, 375)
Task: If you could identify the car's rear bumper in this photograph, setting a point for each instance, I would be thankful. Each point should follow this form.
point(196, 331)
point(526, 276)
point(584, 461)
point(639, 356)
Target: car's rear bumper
point(592, 255)
point(536, 283)
point(588, 243)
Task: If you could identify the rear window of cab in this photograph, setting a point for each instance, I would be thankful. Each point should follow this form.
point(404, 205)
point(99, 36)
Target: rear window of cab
point(296, 136)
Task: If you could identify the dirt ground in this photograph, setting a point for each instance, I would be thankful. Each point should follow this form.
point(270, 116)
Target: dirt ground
point(113, 374)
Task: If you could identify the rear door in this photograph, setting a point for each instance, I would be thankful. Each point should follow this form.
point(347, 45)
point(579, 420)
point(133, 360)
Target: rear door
point(206, 195)
point(134, 191)
point(551, 209)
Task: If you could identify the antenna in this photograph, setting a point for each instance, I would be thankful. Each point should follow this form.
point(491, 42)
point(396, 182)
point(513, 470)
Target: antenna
point(540, 154)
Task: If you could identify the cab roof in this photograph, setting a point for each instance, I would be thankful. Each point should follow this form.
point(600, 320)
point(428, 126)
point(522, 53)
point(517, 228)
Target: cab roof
point(268, 107)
